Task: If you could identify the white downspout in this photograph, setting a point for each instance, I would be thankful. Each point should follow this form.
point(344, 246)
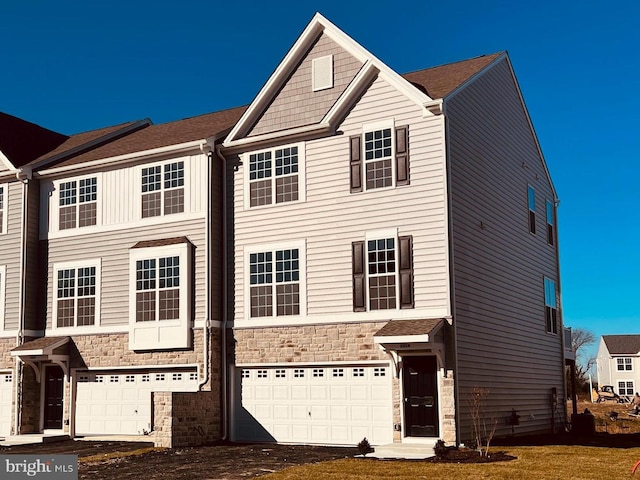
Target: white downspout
point(225, 292)
point(207, 282)
point(24, 175)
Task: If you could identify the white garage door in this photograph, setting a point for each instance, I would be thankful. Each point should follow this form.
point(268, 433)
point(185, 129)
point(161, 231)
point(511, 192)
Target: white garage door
point(317, 404)
point(6, 394)
point(120, 402)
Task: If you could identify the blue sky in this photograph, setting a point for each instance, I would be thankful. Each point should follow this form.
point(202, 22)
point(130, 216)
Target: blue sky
point(73, 66)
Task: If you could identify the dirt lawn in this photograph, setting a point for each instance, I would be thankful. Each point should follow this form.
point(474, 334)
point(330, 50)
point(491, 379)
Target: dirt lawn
point(125, 460)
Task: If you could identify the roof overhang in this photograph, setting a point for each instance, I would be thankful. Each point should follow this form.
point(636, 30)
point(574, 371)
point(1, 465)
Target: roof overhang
point(399, 335)
point(45, 349)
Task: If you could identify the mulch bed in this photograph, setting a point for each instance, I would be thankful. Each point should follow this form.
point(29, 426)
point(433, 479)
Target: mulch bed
point(466, 455)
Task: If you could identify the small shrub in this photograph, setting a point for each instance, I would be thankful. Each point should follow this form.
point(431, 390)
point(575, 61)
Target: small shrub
point(364, 447)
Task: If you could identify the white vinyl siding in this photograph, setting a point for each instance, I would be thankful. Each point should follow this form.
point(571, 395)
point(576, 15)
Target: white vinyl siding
point(498, 264)
point(119, 198)
point(113, 250)
point(4, 207)
point(3, 274)
point(332, 218)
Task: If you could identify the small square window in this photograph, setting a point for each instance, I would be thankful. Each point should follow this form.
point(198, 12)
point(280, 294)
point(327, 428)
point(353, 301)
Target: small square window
point(176, 377)
point(298, 373)
point(114, 379)
point(146, 378)
point(338, 372)
point(262, 374)
point(193, 376)
point(160, 377)
point(358, 372)
point(99, 379)
point(379, 372)
point(246, 373)
point(129, 378)
point(281, 373)
point(318, 372)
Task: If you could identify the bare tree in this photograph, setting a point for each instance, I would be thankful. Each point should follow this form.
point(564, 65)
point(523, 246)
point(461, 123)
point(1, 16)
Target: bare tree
point(483, 428)
point(582, 338)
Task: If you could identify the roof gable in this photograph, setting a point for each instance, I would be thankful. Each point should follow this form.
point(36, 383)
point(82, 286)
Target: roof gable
point(21, 142)
point(622, 344)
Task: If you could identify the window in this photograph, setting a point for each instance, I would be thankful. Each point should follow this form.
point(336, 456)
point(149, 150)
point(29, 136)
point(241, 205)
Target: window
point(275, 277)
point(76, 296)
point(3, 272)
point(78, 203)
point(382, 273)
point(531, 195)
point(550, 223)
point(625, 388)
point(163, 189)
point(4, 189)
point(379, 372)
point(381, 156)
point(624, 364)
point(550, 306)
point(274, 176)
point(160, 297)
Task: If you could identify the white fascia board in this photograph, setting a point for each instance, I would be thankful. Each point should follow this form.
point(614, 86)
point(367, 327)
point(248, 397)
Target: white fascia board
point(275, 81)
point(7, 163)
point(402, 339)
point(269, 137)
point(180, 147)
point(366, 74)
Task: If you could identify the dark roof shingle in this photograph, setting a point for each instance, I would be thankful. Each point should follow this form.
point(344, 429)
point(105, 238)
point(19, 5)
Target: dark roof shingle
point(396, 328)
point(622, 344)
point(439, 81)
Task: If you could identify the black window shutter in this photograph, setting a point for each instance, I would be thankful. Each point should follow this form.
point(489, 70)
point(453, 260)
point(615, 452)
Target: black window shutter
point(402, 155)
point(359, 277)
point(355, 164)
point(406, 272)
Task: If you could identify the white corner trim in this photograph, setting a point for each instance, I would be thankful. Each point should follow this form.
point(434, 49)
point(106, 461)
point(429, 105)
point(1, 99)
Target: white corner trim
point(3, 282)
point(5, 208)
point(7, 162)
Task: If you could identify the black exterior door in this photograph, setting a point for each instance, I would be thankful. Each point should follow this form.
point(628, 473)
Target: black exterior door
point(420, 396)
point(53, 397)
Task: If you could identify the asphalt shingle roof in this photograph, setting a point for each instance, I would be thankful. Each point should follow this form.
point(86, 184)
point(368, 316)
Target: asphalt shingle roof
point(622, 344)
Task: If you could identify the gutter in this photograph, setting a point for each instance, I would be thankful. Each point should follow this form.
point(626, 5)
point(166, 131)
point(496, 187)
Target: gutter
point(127, 156)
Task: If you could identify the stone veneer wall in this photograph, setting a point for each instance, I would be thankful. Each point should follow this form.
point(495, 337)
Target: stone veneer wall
point(333, 343)
point(313, 343)
point(183, 419)
point(30, 411)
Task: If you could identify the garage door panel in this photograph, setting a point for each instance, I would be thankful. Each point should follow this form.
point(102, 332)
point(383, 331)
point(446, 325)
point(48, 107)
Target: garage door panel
point(328, 405)
point(120, 402)
point(6, 395)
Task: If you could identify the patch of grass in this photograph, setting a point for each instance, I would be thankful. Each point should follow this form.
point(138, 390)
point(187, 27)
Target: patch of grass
point(110, 456)
point(539, 463)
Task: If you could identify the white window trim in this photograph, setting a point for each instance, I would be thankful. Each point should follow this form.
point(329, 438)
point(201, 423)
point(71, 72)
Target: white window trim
point(381, 235)
point(5, 208)
point(544, 299)
point(372, 127)
point(3, 289)
point(302, 262)
point(162, 334)
point(625, 380)
point(187, 191)
point(97, 263)
point(55, 210)
point(302, 178)
point(624, 364)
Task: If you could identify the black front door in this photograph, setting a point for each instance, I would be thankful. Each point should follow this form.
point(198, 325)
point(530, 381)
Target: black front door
point(53, 397)
point(420, 384)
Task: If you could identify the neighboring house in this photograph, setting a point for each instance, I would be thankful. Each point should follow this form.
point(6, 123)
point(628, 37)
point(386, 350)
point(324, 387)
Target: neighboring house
point(394, 247)
point(618, 363)
point(132, 296)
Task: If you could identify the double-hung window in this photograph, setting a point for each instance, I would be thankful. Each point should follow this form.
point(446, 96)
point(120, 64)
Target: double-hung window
point(551, 222)
point(625, 387)
point(379, 157)
point(550, 305)
point(160, 294)
point(624, 364)
point(78, 203)
point(4, 193)
point(275, 176)
point(531, 201)
point(76, 295)
point(382, 273)
point(276, 280)
point(163, 189)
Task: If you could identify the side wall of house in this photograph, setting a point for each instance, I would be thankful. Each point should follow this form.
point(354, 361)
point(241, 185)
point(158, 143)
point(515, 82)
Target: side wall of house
point(499, 266)
point(10, 251)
